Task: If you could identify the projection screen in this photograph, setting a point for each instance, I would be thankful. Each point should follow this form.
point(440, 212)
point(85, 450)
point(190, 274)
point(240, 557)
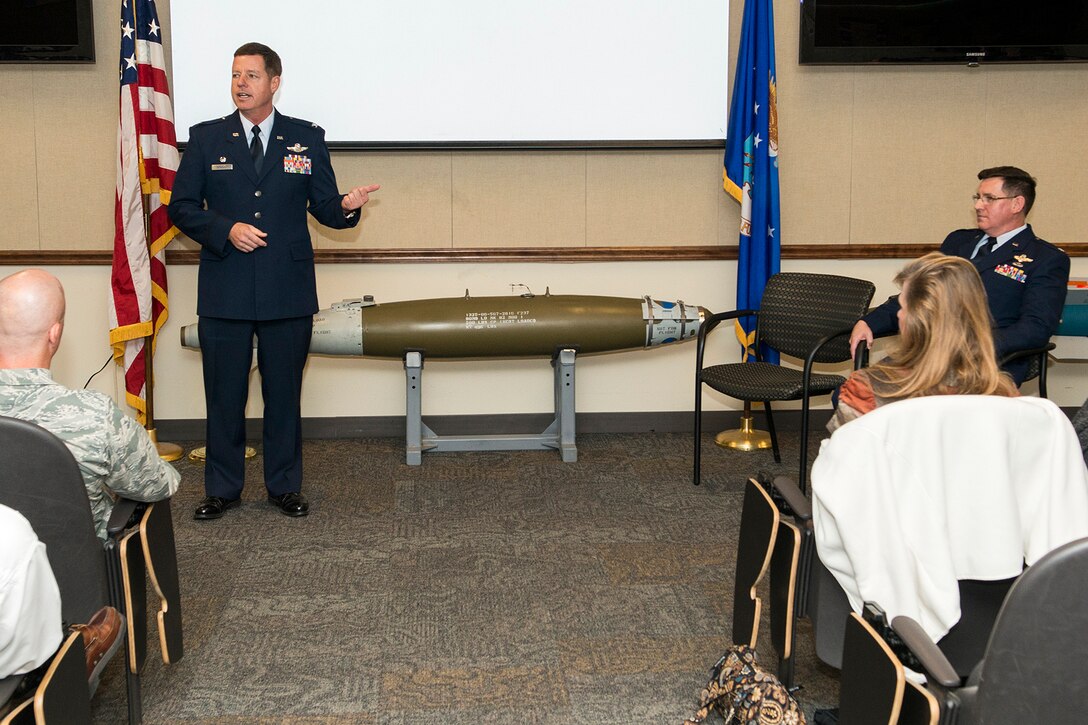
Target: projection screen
point(437, 72)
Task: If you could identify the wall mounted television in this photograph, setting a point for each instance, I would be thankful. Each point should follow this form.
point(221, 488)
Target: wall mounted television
point(46, 31)
point(943, 31)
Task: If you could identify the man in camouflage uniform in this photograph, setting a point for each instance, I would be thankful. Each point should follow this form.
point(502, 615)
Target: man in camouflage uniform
point(115, 455)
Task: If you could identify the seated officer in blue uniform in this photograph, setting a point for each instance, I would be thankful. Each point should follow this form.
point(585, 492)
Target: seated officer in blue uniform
point(243, 189)
point(1024, 276)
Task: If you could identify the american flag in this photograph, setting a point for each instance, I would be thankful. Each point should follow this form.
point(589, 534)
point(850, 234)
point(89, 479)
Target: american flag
point(147, 160)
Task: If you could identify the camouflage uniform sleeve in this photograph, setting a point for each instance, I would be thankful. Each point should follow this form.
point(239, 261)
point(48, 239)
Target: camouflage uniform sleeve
point(136, 471)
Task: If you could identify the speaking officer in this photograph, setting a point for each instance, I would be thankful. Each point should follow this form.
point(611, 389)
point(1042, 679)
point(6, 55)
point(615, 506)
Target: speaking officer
point(1024, 276)
point(242, 191)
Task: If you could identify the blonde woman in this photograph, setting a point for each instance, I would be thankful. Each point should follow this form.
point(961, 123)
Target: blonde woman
point(945, 345)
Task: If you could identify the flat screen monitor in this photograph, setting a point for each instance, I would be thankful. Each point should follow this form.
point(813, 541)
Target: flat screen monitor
point(942, 31)
point(46, 31)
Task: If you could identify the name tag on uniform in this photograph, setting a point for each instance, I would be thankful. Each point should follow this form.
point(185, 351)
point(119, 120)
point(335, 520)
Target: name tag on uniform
point(297, 164)
point(222, 167)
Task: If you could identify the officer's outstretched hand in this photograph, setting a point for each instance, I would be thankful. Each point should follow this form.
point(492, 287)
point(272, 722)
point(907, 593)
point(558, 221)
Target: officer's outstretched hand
point(358, 196)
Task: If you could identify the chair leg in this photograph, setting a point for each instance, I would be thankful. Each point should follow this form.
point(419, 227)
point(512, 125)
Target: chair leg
point(1042, 375)
point(135, 698)
point(785, 673)
point(770, 430)
point(803, 477)
point(115, 575)
point(698, 426)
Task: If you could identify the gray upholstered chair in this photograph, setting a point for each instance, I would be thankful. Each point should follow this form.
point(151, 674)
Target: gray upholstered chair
point(1032, 670)
point(62, 695)
point(764, 537)
point(900, 510)
point(874, 687)
point(40, 479)
point(819, 598)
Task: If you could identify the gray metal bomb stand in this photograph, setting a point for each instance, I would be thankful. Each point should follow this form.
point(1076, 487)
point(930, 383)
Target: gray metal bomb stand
point(559, 435)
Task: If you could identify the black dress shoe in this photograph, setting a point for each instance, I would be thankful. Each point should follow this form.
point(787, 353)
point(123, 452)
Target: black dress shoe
point(291, 504)
point(212, 507)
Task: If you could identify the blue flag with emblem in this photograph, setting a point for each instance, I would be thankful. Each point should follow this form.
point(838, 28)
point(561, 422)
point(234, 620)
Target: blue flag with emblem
point(751, 165)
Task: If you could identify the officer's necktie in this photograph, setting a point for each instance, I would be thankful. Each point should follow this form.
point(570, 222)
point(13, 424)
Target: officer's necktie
point(256, 149)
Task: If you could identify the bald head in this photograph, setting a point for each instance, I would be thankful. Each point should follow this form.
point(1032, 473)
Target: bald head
point(31, 319)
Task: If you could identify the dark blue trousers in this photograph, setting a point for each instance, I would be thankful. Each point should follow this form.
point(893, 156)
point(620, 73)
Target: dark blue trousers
point(227, 350)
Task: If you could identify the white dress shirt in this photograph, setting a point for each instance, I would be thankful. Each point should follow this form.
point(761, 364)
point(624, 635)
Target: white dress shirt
point(987, 240)
point(30, 619)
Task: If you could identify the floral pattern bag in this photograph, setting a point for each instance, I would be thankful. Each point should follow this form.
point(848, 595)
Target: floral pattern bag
point(746, 694)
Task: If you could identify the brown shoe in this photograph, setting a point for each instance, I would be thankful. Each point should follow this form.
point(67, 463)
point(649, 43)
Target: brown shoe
point(101, 638)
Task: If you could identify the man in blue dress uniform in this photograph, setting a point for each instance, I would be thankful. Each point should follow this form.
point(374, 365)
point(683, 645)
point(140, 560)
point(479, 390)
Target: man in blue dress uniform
point(1024, 276)
point(244, 186)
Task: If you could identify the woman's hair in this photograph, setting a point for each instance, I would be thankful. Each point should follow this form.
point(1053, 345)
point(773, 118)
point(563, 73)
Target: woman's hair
point(945, 344)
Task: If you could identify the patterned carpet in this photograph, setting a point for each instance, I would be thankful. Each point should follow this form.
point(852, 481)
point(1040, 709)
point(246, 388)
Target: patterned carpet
point(498, 587)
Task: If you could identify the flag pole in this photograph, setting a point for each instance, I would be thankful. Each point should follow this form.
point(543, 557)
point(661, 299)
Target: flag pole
point(745, 438)
point(167, 451)
point(751, 177)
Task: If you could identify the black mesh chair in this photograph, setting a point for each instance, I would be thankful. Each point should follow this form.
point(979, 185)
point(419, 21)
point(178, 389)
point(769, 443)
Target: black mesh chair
point(806, 316)
point(1037, 358)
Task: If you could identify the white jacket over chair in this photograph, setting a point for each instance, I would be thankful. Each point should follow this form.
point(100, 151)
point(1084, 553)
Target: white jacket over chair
point(918, 494)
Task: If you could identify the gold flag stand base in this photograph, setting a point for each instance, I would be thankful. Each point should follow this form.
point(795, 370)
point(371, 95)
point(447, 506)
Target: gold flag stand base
point(201, 454)
point(169, 452)
point(747, 438)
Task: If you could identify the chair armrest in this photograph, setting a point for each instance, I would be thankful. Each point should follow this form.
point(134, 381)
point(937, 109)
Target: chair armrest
point(800, 507)
point(1030, 352)
point(714, 320)
point(861, 355)
point(63, 695)
point(811, 358)
point(936, 665)
point(125, 513)
point(706, 328)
